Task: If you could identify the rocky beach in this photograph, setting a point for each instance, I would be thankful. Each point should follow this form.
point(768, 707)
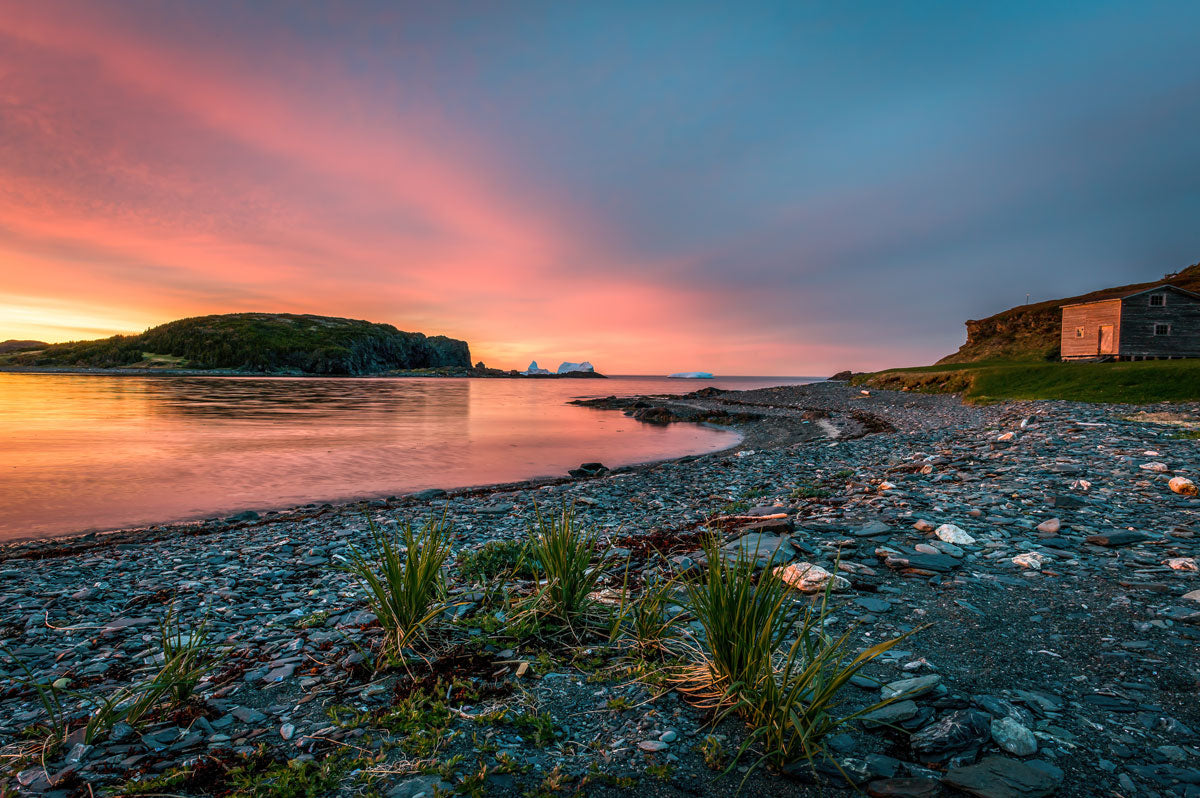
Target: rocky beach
point(1044, 555)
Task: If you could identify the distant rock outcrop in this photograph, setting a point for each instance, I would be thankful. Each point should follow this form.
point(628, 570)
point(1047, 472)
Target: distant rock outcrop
point(535, 369)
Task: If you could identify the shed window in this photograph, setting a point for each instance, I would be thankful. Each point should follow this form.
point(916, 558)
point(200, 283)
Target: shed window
point(1158, 301)
point(1078, 332)
point(1162, 329)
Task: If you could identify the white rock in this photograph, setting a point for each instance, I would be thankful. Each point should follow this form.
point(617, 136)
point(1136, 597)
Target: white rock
point(1008, 436)
point(953, 534)
point(1050, 526)
point(1030, 559)
point(1183, 564)
point(1013, 737)
point(1193, 596)
point(885, 485)
point(809, 578)
point(1154, 466)
point(1183, 486)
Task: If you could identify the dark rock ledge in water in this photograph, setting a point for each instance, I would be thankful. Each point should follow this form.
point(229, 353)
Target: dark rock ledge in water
point(1060, 656)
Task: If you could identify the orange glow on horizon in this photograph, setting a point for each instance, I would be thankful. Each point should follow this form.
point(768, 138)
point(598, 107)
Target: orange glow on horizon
point(160, 182)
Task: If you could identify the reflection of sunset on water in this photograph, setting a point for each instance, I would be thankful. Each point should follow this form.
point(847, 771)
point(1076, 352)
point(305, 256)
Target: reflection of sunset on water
point(97, 452)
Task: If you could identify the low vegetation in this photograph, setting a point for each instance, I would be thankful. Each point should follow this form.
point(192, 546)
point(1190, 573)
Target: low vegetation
point(570, 564)
point(1125, 382)
point(403, 579)
point(764, 656)
point(790, 695)
point(185, 658)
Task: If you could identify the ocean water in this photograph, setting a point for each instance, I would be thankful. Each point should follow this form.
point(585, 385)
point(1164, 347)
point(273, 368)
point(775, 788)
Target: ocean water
point(86, 452)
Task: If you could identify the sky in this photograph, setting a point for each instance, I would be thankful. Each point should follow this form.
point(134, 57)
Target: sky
point(743, 188)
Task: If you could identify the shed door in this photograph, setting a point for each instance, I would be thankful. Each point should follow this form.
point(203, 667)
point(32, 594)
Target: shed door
point(1106, 340)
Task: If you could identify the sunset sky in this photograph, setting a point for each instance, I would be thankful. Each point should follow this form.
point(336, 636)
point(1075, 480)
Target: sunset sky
point(743, 188)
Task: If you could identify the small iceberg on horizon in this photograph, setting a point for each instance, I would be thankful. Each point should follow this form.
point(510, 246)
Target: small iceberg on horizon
point(566, 367)
point(534, 369)
point(691, 375)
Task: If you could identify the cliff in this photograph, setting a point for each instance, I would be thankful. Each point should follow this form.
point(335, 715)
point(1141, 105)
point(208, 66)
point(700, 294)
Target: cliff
point(1031, 332)
point(261, 342)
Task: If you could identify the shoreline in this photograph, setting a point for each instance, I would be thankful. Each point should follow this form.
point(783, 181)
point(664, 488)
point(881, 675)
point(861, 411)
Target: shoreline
point(766, 428)
point(752, 430)
point(451, 373)
point(1055, 615)
point(64, 545)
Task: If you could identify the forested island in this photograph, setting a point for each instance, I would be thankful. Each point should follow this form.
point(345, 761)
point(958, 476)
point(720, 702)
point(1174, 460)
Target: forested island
point(258, 342)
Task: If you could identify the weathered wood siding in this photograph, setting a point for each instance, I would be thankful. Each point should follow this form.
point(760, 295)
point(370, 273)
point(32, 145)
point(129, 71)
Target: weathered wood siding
point(1090, 317)
point(1138, 318)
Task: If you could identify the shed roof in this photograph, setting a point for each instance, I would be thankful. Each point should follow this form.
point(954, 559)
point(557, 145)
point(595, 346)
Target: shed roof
point(1124, 294)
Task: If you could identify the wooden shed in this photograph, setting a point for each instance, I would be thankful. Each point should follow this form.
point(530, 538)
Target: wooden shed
point(1158, 322)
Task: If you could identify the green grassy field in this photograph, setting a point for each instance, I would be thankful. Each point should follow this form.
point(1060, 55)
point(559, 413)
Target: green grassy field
point(1133, 383)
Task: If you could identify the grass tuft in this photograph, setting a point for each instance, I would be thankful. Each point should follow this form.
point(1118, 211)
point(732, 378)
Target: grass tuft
point(403, 578)
point(570, 563)
point(791, 697)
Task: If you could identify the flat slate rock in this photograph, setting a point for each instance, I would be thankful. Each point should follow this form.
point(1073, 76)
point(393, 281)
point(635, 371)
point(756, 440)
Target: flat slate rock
point(1000, 777)
point(1065, 501)
point(872, 530)
point(772, 526)
point(1110, 703)
point(1123, 538)
point(761, 549)
point(904, 788)
point(925, 562)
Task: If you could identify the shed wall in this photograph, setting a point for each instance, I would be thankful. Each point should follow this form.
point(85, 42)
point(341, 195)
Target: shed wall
point(1182, 312)
point(1090, 317)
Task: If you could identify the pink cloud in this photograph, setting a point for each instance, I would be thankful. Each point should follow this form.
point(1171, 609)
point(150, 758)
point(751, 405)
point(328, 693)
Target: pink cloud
point(146, 180)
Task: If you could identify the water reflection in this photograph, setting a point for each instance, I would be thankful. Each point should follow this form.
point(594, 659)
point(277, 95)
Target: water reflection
point(98, 452)
point(250, 399)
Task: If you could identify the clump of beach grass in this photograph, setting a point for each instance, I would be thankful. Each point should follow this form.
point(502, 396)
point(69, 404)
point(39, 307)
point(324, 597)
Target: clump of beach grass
point(789, 693)
point(402, 574)
point(570, 562)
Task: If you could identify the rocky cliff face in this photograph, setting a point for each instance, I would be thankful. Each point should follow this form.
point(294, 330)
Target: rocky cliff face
point(1031, 332)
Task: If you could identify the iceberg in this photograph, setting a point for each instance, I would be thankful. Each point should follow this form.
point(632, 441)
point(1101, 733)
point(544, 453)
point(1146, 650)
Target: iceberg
point(533, 369)
point(565, 367)
point(691, 375)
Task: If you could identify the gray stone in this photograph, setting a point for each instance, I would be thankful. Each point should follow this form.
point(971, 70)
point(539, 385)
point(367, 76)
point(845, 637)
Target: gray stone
point(911, 688)
point(761, 549)
point(890, 714)
point(1114, 539)
point(960, 731)
point(1000, 777)
point(872, 529)
point(1013, 737)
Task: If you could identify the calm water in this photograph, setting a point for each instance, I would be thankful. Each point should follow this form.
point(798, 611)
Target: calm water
point(93, 452)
